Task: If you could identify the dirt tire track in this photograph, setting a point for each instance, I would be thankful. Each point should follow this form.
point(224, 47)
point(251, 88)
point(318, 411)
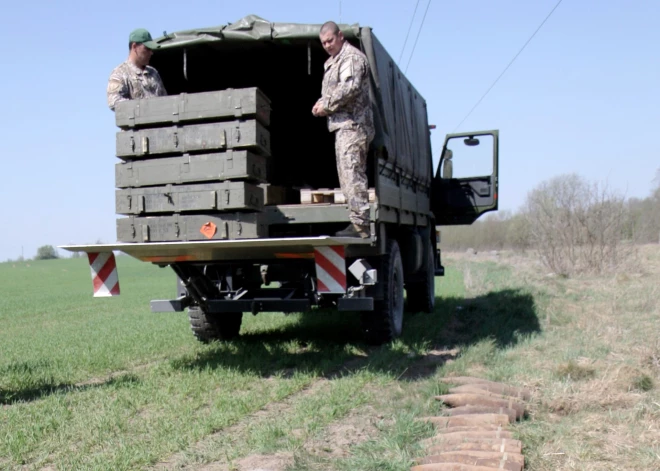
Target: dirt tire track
point(100, 380)
point(357, 426)
point(270, 410)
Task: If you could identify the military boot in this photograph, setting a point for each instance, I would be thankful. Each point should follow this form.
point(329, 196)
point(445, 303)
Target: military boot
point(354, 230)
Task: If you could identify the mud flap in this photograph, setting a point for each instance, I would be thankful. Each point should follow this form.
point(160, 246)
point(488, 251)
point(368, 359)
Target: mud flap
point(105, 278)
point(330, 269)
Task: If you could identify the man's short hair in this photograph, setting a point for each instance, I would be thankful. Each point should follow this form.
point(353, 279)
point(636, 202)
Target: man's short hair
point(329, 26)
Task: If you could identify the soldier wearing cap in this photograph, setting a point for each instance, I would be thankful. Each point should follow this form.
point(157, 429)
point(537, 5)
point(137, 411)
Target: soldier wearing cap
point(345, 101)
point(135, 78)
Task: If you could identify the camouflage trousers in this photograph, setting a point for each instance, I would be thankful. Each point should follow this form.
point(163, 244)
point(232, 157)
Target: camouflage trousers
point(351, 147)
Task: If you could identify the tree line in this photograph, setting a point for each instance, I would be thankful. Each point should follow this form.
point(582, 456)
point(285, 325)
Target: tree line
point(572, 224)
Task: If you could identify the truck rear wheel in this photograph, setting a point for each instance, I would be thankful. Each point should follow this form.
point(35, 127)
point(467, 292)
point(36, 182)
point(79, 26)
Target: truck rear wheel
point(421, 294)
point(385, 322)
point(209, 328)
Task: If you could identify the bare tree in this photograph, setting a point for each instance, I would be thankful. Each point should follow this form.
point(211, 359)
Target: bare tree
point(576, 226)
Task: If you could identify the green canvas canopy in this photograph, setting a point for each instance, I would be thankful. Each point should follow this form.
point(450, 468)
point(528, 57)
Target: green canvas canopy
point(251, 27)
point(402, 132)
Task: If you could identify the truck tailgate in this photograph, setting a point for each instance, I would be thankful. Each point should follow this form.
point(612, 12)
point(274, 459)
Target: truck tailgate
point(215, 250)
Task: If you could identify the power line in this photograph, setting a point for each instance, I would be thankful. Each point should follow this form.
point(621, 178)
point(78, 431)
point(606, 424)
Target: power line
point(418, 33)
point(408, 34)
point(507, 67)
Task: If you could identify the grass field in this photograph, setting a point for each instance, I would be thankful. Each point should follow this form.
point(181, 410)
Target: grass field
point(103, 384)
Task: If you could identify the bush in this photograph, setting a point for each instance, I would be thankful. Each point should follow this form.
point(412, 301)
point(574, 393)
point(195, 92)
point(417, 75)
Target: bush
point(518, 234)
point(576, 226)
point(644, 222)
point(46, 252)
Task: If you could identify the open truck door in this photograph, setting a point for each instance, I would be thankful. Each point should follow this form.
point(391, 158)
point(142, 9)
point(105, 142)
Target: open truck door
point(456, 196)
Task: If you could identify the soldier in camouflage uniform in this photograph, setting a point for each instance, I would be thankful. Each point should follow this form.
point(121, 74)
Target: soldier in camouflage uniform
point(135, 78)
point(345, 101)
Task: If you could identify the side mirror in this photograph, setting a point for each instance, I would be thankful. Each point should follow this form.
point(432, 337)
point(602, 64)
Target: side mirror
point(448, 164)
point(471, 141)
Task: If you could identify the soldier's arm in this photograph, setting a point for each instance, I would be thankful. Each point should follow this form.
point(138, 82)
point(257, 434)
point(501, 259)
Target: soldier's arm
point(352, 72)
point(117, 90)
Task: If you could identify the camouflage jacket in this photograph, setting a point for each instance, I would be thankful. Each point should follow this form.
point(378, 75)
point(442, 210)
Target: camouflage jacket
point(345, 92)
point(129, 82)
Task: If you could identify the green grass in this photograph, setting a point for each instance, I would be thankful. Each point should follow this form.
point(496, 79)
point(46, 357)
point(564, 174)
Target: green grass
point(55, 334)
point(104, 384)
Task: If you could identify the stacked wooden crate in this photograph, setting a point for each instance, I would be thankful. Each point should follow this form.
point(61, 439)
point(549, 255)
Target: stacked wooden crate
point(191, 166)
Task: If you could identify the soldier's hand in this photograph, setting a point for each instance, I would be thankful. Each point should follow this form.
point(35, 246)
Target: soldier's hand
point(318, 110)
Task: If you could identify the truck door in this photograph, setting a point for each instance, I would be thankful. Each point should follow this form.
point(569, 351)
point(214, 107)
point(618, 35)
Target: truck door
point(457, 197)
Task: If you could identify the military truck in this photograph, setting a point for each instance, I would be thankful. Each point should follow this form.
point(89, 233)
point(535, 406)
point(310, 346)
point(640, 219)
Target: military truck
point(232, 183)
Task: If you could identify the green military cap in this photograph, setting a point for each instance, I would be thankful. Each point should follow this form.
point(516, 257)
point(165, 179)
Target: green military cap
point(142, 36)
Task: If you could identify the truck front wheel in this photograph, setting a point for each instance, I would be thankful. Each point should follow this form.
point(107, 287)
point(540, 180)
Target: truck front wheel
point(385, 322)
point(209, 327)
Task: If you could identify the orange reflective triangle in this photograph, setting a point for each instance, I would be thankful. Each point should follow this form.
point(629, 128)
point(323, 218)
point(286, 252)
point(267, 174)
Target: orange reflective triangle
point(208, 230)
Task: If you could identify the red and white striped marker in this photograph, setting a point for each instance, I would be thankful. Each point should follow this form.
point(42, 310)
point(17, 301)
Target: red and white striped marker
point(104, 274)
point(330, 269)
